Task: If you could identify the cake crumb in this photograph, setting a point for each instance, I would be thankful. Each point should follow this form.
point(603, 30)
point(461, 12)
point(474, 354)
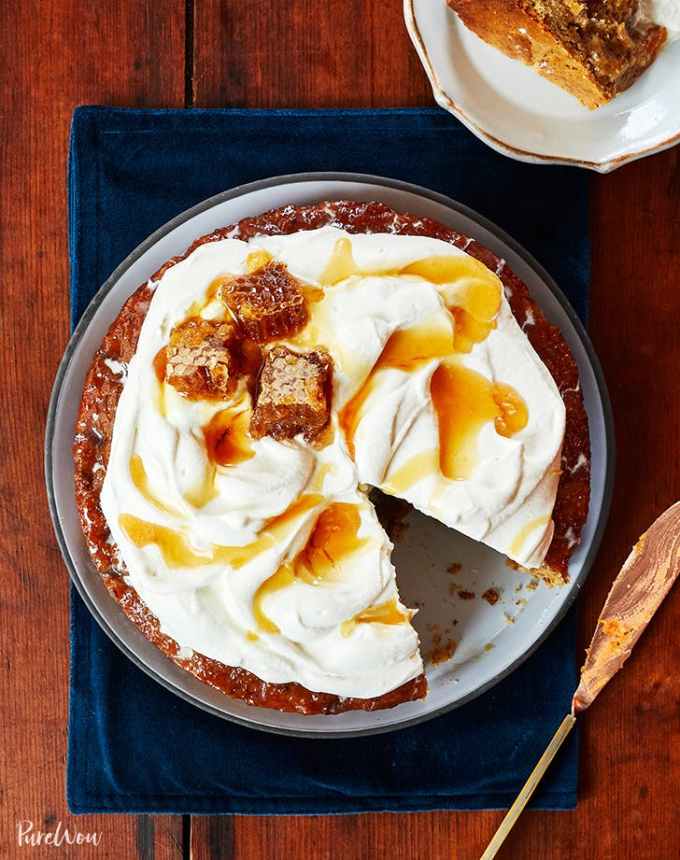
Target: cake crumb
point(454, 568)
point(466, 595)
point(491, 596)
point(443, 652)
point(489, 646)
point(533, 585)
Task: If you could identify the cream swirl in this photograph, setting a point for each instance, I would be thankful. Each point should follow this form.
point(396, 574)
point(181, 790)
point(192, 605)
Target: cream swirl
point(214, 551)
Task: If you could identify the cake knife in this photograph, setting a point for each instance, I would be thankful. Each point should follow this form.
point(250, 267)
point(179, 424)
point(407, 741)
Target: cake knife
point(637, 592)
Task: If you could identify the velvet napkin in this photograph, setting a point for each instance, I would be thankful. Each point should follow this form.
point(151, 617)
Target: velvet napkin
point(133, 745)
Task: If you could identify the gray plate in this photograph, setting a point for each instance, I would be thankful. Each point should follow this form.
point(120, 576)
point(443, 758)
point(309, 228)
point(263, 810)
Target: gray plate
point(489, 645)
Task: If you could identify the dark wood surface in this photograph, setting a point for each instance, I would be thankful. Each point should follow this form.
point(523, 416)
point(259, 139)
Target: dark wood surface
point(267, 53)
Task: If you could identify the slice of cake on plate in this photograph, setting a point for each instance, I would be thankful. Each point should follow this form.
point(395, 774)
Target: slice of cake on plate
point(594, 49)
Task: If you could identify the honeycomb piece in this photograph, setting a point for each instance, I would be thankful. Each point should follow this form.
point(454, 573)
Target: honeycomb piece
point(267, 303)
point(293, 395)
point(200, 364)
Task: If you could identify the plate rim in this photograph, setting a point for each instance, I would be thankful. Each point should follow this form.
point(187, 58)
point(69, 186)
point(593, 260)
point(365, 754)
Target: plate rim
point(349, 177)
point(445, 101)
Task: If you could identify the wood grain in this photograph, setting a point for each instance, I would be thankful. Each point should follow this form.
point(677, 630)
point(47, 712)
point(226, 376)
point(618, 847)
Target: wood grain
point(264, 53)
point(54, 56)
point(304, 53)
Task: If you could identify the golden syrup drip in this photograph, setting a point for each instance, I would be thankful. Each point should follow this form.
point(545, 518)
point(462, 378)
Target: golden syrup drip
point(197, 307)
point(469, 331)
point(325, 438)
point(141, 481)
point(474, 304)
point(340, 265)
point(414, 470)
point(525, 531)
point(333, 538)
point(257, 260)
point(445, 269)
point(251, 636)
point(406, 349)
point(514, 414)
point(176, 551)
point(200, 495)
point(351, 414)
point(275, 529)
point(227, 443)
point(465, 401)
point(278, 526)
point(473, 297)
point(383, 613)
point(227, 439)
point(312, 294)
point(319, 476)
point(160, 364)
point(160, 401)
point(213, 288)
point(172, 544)
point(283, 577)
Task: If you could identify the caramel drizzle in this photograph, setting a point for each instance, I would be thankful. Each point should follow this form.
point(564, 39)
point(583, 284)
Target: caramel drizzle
point(463, 399)
point(472, 292)
point(383, 613)
point(406, 349)
point(141, 481)
point(227, 438)
point(334, 537)
point(177, 552)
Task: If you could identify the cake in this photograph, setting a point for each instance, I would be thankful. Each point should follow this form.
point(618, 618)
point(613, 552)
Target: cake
point(594, 49)
point(252, 391)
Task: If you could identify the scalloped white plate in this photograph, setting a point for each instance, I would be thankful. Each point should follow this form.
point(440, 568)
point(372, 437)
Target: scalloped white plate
point(520, 114)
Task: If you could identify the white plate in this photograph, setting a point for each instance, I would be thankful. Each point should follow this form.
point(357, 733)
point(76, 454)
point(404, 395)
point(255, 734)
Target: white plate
point(520, 114)
point(427, 548)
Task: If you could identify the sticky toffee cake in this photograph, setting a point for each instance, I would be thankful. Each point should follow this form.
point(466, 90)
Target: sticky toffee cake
point(247, 397)
point(594, 49)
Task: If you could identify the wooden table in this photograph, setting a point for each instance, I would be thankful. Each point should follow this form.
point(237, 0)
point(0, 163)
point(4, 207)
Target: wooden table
point(57, 54)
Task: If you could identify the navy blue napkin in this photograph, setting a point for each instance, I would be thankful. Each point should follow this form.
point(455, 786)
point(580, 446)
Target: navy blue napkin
point(134, 746)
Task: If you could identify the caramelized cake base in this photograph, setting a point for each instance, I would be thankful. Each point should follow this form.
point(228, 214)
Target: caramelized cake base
point(104, 383)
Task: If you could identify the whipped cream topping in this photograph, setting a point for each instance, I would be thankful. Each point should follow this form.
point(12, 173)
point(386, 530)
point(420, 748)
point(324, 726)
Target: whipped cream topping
point(217, 566)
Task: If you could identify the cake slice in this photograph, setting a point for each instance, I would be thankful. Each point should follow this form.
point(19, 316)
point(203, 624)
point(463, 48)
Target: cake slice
point(594, 49)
